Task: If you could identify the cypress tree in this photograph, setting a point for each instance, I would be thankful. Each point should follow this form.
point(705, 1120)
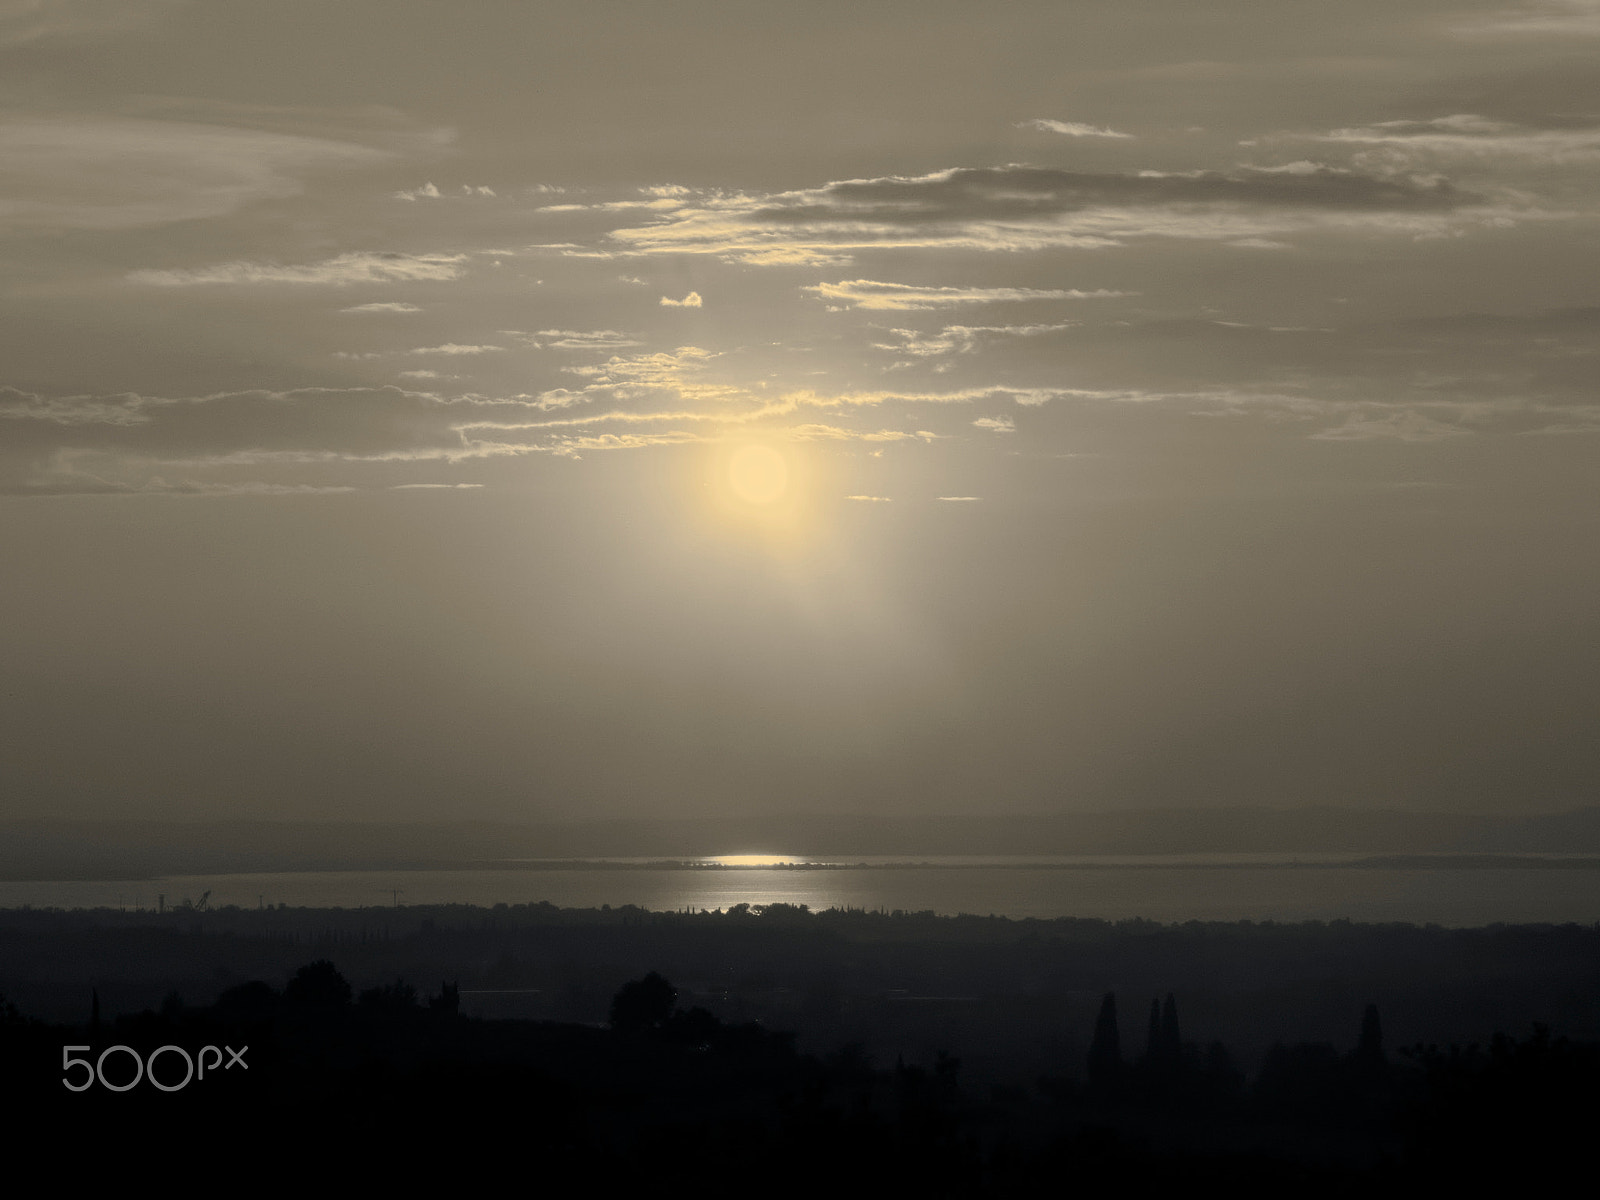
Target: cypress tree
point(1370, 1047)
point(1105, 1051)
point(1171, 1043)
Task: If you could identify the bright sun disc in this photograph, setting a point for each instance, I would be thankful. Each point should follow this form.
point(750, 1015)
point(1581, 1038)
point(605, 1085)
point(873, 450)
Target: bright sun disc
point(758, 474)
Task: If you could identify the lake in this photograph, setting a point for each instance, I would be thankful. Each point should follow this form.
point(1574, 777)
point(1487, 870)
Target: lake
point(1445, 891)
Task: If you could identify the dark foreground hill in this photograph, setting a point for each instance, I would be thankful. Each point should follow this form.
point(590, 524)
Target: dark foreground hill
point(316, 1084)
point(1010, 997)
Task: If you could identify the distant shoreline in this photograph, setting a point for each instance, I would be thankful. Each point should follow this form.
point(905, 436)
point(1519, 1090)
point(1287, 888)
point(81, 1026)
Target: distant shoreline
point(1385, 862)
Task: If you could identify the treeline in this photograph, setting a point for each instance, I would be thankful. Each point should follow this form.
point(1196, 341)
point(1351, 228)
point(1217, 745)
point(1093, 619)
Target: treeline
point(1011, 997)
point(662, 1092)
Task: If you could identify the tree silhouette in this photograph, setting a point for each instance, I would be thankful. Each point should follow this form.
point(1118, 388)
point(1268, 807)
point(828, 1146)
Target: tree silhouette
point(1370, 1047)
point(448, 1002)
point(396, 997)
point(318, 985)
point(252, 1001)
point(1105, 1051)
point(643, 1004)
point(1171, 1042)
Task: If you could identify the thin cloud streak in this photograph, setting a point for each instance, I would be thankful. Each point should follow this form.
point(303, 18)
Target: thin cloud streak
point(874, 294)
point(341, 271)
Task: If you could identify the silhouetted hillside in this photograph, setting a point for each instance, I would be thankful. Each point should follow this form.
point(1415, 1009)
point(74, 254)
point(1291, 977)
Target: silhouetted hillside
point(407, 1089)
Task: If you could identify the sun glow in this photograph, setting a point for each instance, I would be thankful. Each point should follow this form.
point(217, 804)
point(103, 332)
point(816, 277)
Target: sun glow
point(758, 474)
point(766, 487)
point(754, 860)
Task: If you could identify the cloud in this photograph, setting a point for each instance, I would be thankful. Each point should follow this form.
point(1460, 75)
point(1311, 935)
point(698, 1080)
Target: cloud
point(1028, 396)
point(24, 21)
point(692, 300)
point(961, 499)
point(382, 306)
point(1539, 18)
point(134, 442)
point(129, 408)
point(128, 172)
point(1022, 191)
point(817, 431)
point(870, 293)
point(452, 348)
point(1071, 128)
point(662, 367)
point(997, 424)
point(401, 487)
point(1403, 426)
point(430, 191)
point(790, 256)
point(571, 447)
point(961, 339)
point(575, 339)
point(1468, 135)
point(1022, 208)
point(872, 499)
point(640, 376)
point(346, 269)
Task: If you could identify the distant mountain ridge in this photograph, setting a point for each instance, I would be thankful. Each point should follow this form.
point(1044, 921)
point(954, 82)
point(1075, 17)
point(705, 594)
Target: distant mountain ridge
point(60, 849)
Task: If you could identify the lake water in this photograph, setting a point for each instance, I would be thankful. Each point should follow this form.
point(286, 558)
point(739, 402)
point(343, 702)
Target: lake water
point(1216, 888)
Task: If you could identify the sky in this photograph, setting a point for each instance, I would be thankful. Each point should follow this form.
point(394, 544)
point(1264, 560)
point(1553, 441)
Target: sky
point(586, 410)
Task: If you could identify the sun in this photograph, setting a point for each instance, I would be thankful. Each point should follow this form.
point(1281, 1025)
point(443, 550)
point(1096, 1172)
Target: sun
point(758, 474)
point(768, 487)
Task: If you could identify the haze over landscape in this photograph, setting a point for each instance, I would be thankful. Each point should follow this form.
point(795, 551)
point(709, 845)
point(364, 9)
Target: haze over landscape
point(757, 414)
point(876, 598)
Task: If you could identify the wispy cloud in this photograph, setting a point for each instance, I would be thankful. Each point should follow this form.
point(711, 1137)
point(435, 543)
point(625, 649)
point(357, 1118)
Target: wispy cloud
point(24, 21)
point(383, 306)
point(1468, 135)
point(871, 293)
point(455, 349)
point(1071, 128)
point(1022, 208)
point(1401, 426)
point(1539, 18)
point(430, 191)
point(638, 376)
point(342, 271)
point(960, 339)
point(577, 339)
point(692, 300)
point(128, 172)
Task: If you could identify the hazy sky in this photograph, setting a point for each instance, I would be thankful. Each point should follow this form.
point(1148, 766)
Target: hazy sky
point(547, 410)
